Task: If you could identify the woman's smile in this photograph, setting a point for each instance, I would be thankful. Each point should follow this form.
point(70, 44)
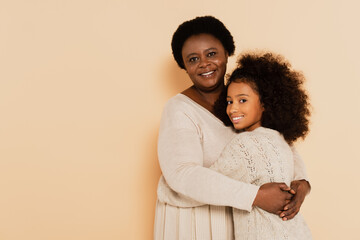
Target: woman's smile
point(205, 61)
point(207, 74)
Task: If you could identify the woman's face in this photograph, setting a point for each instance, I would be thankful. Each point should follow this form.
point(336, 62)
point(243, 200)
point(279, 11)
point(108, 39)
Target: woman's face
point(205, 61)
point(244, 107)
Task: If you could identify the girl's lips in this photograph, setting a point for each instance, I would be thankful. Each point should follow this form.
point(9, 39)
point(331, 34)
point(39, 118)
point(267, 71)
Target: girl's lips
point(237, 118)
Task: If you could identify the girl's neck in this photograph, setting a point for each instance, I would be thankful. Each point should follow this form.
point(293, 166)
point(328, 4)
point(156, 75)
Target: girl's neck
point(205, 99)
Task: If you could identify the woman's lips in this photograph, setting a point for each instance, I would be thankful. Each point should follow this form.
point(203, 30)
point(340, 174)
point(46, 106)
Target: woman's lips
point(207, 74)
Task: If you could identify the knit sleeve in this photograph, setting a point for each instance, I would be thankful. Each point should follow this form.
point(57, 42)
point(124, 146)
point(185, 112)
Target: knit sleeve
point(299, 166)
point(181, 161)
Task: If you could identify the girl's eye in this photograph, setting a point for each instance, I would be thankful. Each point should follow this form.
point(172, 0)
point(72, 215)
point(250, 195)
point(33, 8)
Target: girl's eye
point(229, 102)
point(243, 100)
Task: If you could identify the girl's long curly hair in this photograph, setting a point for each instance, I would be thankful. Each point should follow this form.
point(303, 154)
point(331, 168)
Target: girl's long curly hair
point(281, 92)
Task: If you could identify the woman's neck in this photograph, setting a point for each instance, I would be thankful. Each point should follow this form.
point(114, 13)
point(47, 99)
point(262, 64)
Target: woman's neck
point(205, 99)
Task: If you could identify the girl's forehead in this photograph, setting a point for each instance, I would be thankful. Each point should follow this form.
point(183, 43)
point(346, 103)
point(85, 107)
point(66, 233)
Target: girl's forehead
point(243, 84)
point(240, 87)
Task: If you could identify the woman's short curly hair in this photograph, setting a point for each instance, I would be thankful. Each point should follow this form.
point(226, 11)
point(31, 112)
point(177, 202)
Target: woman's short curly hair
point(281, 92)
point(198, 25)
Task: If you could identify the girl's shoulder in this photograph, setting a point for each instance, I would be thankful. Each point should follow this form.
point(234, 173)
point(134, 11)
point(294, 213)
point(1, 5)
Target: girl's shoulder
point(259, 134)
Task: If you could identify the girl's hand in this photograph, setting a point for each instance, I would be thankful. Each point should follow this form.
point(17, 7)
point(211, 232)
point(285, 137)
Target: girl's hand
point(272, 197)
point(301, 188)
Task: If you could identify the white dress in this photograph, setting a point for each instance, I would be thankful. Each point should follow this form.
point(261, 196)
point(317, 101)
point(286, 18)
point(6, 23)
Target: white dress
point(259, 157)
point(194, 202)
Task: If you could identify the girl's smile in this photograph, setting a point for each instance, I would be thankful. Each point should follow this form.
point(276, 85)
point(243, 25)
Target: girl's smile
point(244, 107)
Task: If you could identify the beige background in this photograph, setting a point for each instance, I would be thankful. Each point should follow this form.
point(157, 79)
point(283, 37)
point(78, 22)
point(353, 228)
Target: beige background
point(83, 84)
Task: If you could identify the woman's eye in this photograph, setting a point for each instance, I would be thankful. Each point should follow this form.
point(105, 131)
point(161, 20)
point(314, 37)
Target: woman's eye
point(242, 100)
point(228, 102)
point(211, 54)
point(193, 59)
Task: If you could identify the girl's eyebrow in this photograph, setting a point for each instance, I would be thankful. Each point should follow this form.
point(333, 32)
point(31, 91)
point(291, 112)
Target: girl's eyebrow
point(238, 95)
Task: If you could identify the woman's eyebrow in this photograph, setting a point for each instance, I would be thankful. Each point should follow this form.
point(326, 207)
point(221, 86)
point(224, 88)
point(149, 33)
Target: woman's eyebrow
point(206, 50)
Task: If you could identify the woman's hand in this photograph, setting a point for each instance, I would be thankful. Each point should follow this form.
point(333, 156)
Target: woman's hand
point(301, 188)
point(272, 197)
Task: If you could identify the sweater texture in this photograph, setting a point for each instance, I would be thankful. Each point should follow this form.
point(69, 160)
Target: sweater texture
point(189, 193)
point(258, 157)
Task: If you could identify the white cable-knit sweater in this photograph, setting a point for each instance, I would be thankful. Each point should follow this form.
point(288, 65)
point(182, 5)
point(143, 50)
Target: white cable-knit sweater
point(193, 199)
point(259, 157)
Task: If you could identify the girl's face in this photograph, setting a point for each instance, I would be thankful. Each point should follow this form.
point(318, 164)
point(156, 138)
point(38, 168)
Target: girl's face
point(244, 107)
point(205, 61)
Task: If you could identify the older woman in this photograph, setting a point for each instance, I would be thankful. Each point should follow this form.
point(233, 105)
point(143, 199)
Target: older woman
point(194, 202)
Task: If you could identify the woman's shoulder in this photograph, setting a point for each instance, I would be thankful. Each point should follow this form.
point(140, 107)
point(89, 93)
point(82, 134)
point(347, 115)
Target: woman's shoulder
point(178, 109)
point(181, 109)
point(182, 104)
point(177, 100)
point(177, 105)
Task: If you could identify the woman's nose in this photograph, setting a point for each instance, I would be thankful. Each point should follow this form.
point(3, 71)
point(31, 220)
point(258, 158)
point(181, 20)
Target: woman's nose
point(204, 62)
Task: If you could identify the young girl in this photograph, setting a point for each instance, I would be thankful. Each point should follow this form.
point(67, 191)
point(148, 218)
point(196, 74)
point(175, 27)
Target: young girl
point(265, 99)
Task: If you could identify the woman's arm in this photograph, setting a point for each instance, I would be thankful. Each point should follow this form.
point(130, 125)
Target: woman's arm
point(301, 188)
point(181, 161)
point(300, 185)
point(271, 197)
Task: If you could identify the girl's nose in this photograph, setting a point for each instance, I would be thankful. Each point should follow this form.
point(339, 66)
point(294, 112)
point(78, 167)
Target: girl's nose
point(233, 108)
